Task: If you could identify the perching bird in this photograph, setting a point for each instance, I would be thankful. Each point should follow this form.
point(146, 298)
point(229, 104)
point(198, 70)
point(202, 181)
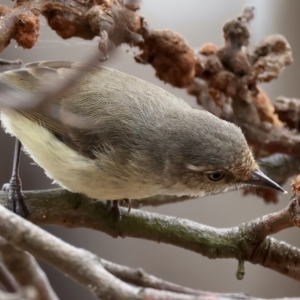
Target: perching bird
point(132, 139)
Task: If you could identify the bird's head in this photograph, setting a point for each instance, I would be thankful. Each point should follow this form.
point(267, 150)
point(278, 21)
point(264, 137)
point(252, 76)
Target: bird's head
point(214, 157)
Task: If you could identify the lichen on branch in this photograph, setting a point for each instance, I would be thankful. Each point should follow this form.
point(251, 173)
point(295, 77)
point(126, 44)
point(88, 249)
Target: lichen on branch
point(85, 19)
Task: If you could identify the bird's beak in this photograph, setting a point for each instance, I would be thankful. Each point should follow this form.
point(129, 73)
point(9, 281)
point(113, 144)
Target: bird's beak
point(258, 178)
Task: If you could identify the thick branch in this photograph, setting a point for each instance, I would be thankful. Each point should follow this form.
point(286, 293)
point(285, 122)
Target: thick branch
point(247, 242)
point(83, 266)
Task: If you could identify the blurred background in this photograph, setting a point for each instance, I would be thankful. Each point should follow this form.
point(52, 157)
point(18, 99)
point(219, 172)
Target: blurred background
point(199, 22)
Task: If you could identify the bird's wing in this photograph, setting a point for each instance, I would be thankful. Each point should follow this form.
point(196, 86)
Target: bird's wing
point(72, 127)
point(106, 108)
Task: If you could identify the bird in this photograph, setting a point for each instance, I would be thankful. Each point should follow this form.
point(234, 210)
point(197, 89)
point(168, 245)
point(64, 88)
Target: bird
point(127, 138)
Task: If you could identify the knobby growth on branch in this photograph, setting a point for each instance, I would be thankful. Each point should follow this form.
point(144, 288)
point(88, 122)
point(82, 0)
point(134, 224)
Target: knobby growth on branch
point(225, 81)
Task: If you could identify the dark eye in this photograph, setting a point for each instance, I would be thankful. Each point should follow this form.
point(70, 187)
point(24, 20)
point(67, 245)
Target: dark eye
point(215, 176)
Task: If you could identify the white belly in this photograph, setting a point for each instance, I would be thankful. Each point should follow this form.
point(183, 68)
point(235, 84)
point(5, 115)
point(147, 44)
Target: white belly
point(66, 166)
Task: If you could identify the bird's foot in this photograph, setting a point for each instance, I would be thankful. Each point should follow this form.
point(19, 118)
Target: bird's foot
point(16, 201)
point(115, 207)
point(128, 202)
point(108, 205)
point(117, 211)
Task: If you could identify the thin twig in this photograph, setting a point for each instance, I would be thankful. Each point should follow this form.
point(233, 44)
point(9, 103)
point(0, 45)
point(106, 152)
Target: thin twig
point(7, 280)
point(28, 293)
point(11, 98)
point(26, 270)
point(77, 263)
point(140, 278)
point(279, 167)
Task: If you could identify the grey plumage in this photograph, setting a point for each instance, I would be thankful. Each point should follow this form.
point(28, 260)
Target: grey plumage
point(140, 139)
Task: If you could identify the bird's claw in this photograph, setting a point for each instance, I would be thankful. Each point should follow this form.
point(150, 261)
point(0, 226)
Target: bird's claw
point(16, 201)
point(114, 205)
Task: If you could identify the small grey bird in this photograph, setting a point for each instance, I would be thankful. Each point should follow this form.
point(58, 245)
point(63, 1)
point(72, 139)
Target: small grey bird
point(132, 140)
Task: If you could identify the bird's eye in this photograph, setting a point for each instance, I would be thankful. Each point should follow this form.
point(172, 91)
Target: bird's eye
point(216, 176)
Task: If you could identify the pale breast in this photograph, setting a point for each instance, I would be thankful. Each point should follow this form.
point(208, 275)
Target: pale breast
point(66, 166)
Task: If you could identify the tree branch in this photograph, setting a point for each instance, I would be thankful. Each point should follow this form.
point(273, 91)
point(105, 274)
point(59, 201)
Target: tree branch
point(26, 270)
point(7, 280)
point(249, 241)
point(99, 276)
point(78, 263)
point(280, 167)
point(288, 110)
point(28, 293)
point(140, 278)
point(81, 265)
point(69, 19)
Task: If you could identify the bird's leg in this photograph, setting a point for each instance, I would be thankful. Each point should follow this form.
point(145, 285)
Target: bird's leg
point(108, 205)
point(115, 206)
point(16, 200)
point(117, 210)
point(128, 202)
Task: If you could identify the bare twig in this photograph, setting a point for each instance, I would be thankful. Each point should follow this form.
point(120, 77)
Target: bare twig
point(17, 62)
point(78, 263)
point(140, 278)
point(280, 167)
point(11, 98)
point(7, 280)
point(26, 270)
point(28, 293)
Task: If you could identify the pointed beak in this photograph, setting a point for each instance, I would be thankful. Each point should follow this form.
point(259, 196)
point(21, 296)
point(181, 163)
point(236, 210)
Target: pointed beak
point(258, 178)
